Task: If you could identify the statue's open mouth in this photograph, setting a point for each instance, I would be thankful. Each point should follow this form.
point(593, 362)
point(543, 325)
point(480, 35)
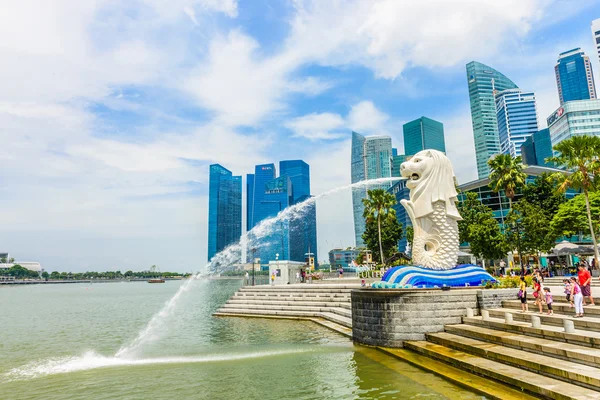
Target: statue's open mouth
point(415, 177)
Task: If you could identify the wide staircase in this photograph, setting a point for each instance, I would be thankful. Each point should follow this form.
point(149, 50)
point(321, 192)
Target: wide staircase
point(558, 281)
point(329, 305)
point(538, 353)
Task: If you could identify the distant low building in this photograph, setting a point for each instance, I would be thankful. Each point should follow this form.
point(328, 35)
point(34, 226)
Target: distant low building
point(30, 265)
point(343, 257)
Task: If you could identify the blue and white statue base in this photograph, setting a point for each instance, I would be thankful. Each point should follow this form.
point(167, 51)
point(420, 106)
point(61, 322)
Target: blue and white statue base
point(412, 276)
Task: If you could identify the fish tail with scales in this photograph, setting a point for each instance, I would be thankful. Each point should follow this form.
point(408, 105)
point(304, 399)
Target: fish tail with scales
point(436, 240)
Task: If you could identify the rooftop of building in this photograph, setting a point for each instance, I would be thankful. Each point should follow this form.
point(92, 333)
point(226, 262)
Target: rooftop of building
point(571, 52)
point(532, 170)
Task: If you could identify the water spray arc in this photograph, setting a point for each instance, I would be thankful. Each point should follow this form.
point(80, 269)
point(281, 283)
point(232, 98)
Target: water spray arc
point(224, 260)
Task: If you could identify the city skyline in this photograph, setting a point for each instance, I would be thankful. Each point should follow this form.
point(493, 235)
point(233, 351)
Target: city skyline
point(108, 127)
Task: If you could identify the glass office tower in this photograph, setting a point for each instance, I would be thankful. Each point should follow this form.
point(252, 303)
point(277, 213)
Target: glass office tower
point(516, 112)
point(423, 133)
point(370, 159)
point(268, 195)
point(537, 148)
point(574, 76)
point(483, 83)
point(224, 209)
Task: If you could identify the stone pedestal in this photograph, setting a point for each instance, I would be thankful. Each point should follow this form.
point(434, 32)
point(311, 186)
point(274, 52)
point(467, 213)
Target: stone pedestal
point(389, 317)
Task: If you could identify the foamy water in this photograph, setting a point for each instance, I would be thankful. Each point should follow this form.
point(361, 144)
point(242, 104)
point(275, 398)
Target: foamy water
point(92, 360)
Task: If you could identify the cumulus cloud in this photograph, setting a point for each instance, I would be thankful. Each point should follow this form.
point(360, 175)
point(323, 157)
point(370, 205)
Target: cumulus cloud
point(317, 126)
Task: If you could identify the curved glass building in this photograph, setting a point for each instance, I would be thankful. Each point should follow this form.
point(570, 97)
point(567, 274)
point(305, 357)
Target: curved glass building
point(484, 83)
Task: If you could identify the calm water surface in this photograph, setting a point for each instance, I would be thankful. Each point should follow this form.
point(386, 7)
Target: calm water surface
point(59, 342)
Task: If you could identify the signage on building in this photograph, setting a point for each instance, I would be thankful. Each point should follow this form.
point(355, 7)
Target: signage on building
point(266, 168)
point(556, 115)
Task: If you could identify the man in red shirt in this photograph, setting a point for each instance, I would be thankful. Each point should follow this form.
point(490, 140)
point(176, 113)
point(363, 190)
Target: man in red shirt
point(585, 282)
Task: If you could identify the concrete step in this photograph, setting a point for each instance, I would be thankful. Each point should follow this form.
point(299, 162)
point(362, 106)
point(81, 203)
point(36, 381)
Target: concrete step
point(293, 288)
point(300, 302)
point(293, 296)
point(287, 295)
point(583, 375)
point(550, 332)
point(335, 310)
point(339, 319)
point(557, 307)
point(517, 377)
point(566, 351)
point(586, 323)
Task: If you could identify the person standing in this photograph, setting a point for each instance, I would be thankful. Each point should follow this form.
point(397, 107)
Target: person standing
point(537, 293)
point(585, 282)
point(523, 295)
point(549, 300)
point(297, 276)
point(273, 279)
point(247, 277)
point(577, 298)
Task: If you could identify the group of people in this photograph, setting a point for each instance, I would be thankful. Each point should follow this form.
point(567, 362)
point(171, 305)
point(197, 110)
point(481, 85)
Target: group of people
point(576, 290)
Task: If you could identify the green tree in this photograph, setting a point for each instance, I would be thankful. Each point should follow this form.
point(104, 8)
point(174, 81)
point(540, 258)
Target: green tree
point(579, 155)
point(11, 260)
point(45, 275)
point(571, 217)
point(3, 260)
point(378, 207)
point(55, 275)
point(18, 271)
point(507, 175)
point(534, 234)
point(391, 233)
point(543, 193)
point(480, 229)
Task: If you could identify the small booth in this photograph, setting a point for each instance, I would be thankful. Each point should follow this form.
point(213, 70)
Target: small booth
point(285, 271)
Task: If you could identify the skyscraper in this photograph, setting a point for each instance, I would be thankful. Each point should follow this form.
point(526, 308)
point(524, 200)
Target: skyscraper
point(574, 76)
point(224, 209)
point(537, 148)
point(516, 112)
point(303, 230)
point(371, 159)
point(268, 195)
point(423, 133)
point(484, 82)
point(596, 35)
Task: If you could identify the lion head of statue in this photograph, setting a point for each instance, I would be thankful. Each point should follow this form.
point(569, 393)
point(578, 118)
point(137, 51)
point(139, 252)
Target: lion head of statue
point(430, 179)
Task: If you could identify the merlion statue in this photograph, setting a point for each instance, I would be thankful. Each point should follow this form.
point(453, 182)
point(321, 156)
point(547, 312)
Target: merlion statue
point(432, 209)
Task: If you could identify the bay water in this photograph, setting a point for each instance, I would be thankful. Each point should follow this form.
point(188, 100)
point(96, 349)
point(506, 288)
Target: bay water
point(59, 342)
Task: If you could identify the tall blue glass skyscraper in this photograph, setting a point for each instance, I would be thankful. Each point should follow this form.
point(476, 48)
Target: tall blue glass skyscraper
point(484, 82)
point(517, 119)
point(423, 133)
point(224, 209)
point(268, 195)
point(537, 148)
point(574, 76)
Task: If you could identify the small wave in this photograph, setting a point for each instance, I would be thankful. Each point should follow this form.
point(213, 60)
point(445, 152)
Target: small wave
point(92, 360)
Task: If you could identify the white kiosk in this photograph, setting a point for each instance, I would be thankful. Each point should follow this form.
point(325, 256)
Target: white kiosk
point(285, 271)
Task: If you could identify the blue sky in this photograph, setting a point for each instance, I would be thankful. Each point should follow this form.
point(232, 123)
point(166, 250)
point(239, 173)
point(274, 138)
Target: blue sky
point(111, 112)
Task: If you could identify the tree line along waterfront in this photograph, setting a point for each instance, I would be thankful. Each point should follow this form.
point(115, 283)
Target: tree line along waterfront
point(539, 213)
point(19, 272)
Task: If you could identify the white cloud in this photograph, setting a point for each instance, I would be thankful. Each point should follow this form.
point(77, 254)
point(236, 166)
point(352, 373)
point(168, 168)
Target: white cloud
point(364, 116)
point(317, 126)
point(388, 35)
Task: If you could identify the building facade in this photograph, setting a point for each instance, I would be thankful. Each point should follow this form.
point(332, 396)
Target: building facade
point(224, 209)
point(596, 35)
point(342, 257)
point(293, 237)
point(401, 192)
point(483, 83)
point(537, 148)
point(516, 113)
point(371, 158)
point(423, 133)
point(574, 76)
point(574, 118)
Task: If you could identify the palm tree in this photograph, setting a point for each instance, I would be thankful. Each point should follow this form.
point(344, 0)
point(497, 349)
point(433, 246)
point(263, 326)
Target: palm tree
point(579, 155)
point(378, 205)
point(507, 174)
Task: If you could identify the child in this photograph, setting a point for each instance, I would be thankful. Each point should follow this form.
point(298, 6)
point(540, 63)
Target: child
point(537, 294)
point(523, 295)
point(568, 292)
point(577, 298)
point(549, 300)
